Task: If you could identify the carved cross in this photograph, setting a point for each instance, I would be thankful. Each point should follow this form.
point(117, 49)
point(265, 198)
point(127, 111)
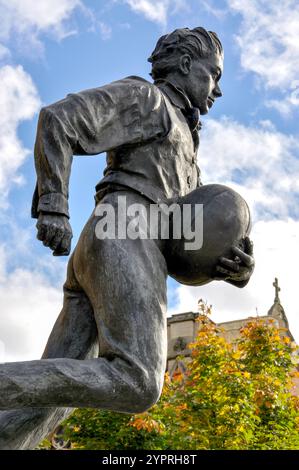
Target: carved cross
point(277, 290)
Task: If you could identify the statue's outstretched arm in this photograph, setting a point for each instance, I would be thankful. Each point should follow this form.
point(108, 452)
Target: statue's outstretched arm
point(87, 123)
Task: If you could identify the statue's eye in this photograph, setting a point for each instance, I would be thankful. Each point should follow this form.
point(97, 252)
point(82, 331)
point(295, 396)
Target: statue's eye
point(216, 75)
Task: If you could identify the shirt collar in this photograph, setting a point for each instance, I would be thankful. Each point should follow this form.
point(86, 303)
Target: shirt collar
point(175, 94)
point(179, 99)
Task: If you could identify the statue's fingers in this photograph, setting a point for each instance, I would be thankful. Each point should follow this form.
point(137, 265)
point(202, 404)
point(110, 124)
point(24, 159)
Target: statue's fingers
point(246, 259)
point(41, 231)
point(61, 252)
point(218, 276)
point(64, 248)
point(57, 239)
point(248, 246)
point(243, 275)
point(234, 265)
point(49, 235)
point(222, 270)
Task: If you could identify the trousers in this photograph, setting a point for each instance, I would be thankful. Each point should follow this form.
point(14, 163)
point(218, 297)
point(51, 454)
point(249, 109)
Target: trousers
point(108, 347)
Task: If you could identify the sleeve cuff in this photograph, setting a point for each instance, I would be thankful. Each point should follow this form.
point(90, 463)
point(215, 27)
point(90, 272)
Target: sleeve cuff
point(53, 202)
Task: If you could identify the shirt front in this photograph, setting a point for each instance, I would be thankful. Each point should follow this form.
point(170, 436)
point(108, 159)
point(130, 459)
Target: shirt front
point(142, 127)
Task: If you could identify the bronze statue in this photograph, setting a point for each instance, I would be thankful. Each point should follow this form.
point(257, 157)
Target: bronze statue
point(108, 346)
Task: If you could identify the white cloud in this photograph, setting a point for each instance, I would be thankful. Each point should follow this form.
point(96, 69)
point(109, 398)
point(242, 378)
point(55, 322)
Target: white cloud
point(276, 252)
point(30, 293)
point(211, 7)
point(268, 41)
point(156, 10)
point(29, 306)
point(259, 162)
point(30, 17)
point(105, 31)
point(286, 104)
point(19, 101)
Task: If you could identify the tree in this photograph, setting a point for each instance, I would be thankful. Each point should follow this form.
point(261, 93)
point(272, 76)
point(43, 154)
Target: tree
point(232, 396)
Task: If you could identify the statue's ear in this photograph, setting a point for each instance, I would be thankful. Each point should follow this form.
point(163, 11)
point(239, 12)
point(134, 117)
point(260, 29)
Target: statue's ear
point(185, 64)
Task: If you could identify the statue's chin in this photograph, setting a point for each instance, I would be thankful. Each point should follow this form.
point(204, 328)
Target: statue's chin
point(204, 111)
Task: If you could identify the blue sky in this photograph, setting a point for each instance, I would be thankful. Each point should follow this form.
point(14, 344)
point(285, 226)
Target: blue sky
point(250, 140)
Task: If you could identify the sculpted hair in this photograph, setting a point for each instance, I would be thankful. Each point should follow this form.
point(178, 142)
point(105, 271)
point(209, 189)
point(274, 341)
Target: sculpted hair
point(197, 42)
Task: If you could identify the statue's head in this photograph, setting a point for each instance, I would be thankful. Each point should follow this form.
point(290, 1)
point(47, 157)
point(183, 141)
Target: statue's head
point(193, 60)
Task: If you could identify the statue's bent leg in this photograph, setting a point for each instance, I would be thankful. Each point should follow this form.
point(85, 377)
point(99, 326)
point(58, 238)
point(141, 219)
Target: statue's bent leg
point(74, 335)
point(125, 281)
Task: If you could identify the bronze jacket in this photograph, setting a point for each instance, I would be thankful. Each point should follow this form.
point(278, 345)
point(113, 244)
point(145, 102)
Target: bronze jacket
point(150, 146)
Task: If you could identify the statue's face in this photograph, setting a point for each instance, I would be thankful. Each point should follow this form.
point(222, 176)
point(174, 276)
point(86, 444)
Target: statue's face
point(202, 82)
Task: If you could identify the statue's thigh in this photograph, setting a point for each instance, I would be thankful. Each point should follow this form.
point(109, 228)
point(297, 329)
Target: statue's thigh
point(125, 281)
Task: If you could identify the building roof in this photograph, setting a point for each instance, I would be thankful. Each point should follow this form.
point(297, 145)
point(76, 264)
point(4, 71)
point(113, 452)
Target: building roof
point(276, 312)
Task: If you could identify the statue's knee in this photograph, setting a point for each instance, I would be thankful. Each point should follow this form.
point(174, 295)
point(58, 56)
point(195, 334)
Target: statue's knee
point(147, 396)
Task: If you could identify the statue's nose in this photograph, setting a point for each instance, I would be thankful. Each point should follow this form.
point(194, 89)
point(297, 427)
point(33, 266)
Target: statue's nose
point(217, 91)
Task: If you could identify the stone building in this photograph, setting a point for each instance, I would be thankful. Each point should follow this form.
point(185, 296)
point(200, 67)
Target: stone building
point(182, 329)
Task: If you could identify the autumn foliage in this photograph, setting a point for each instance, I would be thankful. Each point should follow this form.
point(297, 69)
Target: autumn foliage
point(232, 396)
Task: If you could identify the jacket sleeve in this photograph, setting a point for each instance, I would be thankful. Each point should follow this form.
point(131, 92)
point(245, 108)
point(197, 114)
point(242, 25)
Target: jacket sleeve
point(89, 123)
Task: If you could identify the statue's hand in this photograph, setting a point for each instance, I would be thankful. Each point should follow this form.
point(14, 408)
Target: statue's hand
point(239, 268)
point(54, 231)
